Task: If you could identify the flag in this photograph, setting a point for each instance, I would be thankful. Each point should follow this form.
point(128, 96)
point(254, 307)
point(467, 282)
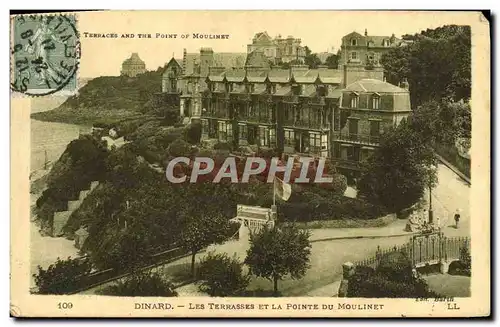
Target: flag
point(282, 189)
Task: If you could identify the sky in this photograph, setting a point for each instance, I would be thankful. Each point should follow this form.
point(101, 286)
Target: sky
point(319, 30)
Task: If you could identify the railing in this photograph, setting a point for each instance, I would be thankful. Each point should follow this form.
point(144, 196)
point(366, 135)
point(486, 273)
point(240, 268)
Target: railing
point(306, 124)
point(357, 138)
point(422, 250)
point(215, 114)
point(318, 101)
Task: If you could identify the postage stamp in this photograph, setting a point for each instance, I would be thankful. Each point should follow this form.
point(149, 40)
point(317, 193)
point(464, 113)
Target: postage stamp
point(45, 52)
point(250, 164)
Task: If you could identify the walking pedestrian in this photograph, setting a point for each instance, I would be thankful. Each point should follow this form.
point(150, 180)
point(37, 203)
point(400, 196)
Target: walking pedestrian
point(457, 218)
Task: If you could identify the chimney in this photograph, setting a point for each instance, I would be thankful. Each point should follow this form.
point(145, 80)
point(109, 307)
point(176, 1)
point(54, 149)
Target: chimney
point(404, 84)
point(184, 60)
point(366, 32)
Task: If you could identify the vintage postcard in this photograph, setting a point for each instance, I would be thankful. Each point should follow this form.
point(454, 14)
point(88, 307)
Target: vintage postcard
point(250, 164)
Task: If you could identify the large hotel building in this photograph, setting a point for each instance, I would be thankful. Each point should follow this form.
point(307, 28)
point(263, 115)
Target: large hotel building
point(334, 113)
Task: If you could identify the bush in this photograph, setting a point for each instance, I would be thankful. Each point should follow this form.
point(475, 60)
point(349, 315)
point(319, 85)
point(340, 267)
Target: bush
point(179, 148)
point(61, 277)
point(141, 284)
point(222, 146)
point(462, 266)
point(309, 206)
point(392, 278)
point(222, 276)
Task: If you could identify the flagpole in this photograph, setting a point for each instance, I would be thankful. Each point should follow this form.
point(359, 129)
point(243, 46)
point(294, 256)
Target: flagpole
point(274, 191)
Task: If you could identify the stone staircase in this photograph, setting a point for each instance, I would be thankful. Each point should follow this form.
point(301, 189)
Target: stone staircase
point(61, 217)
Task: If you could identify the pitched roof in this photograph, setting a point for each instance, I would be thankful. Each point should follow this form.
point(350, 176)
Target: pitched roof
point(134, 60)
point(259, 89)
point(378, 41)
point(308, 90)
point(257, 58)
point(305, 76)
point(279, 75)
point(217, 77)
point(262, 37)
point(330, 76)
point(283, 90)
point(335, 94)
point(235, 75)
point(191, 59)
point(372, 86)
point(256, 76)
point(229, 59)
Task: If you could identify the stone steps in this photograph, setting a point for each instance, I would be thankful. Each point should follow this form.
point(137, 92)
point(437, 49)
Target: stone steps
point(61, 217)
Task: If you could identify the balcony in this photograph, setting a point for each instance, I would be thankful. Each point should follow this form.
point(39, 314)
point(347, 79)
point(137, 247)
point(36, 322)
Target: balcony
point(291, 99)
point(214, 114)
point(357, 138)
point(347, 164)
point(302, 123)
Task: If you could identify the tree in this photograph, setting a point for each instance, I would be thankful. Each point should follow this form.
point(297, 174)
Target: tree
point(332, 61)
point(277, 252)
point(141, 284)
point(437, 64)
point(62, 276)
point(203, 223)
point(397, 173)
point(193, 133)
point(221, 275)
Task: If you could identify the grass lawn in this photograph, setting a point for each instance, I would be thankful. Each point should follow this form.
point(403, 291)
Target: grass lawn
point(449, 285)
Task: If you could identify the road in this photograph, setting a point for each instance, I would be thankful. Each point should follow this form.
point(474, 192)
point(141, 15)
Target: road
point(451, 193)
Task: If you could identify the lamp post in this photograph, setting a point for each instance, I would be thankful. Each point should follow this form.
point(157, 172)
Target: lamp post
point(431, 217)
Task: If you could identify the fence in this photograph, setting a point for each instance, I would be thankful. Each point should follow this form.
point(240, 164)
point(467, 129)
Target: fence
point(422, 250)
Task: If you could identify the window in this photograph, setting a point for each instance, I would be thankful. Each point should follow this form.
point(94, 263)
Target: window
point(354, 101)
point(289, 138)
point(222, 131)
point(173, 84)
point(353, 129)
point(204, 126)
point(315, 141)
point(354, 55)
point(374, 130)
point(243, 131)
point(263, 136)
point(272, 137)
point(354, 42)
point(375, 102)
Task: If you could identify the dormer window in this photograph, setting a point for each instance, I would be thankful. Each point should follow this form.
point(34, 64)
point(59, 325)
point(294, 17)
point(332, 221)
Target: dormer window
point(386, 43)
point(354, 100)
point(354, 42)
point(376, 101)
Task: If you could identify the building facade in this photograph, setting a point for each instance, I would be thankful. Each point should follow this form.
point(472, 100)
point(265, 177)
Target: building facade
point(366, 50)
point(333, 113)
point(133, 66)
point(278, 50)
point(367, 109)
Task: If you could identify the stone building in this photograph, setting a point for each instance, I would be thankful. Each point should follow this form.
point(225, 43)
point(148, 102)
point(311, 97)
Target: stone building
point(304, 111)
point(133, 66)
point(195, 69)
point(366, 50)
point(367, 108)
point(278, 50)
